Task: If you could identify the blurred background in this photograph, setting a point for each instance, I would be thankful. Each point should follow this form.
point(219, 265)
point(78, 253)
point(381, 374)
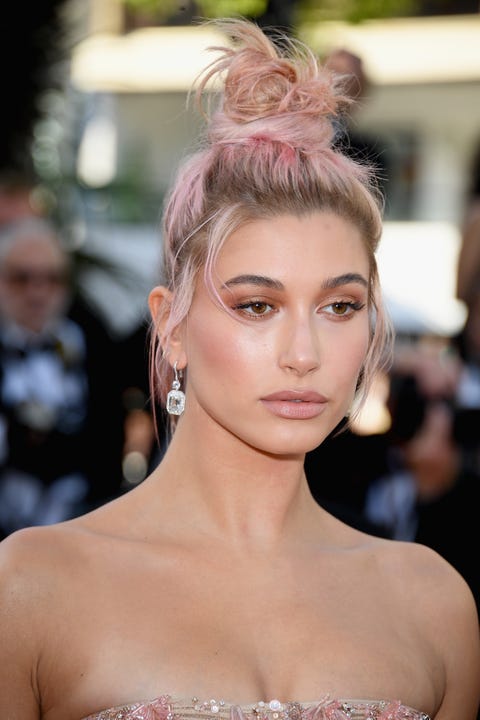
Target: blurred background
point(93, 108)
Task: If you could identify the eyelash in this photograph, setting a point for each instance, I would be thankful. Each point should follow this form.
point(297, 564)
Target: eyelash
point(350, 306)
point(243, 307)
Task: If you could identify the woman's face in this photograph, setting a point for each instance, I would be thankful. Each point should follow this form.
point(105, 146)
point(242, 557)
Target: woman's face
point(281, 372)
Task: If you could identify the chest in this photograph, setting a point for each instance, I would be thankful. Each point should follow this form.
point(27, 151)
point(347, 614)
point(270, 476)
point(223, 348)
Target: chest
point(236, 633)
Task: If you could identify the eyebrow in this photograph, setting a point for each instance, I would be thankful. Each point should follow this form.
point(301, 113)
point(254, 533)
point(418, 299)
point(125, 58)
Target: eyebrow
point(261, 280)
point(265, 281)
point(346, 279)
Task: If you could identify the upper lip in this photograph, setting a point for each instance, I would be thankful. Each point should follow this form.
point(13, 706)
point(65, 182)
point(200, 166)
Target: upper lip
point(303, 395)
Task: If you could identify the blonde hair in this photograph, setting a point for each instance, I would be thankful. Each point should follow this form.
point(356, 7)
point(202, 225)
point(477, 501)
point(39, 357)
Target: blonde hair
point(267, 150)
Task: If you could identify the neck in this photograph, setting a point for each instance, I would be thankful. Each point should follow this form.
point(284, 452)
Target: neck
point(234, 491)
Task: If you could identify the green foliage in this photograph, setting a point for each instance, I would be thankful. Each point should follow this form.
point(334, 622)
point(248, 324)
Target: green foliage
point(306, 11)
point(353, 11)
point(230, 8)
point(164, 9)
point(160, 10)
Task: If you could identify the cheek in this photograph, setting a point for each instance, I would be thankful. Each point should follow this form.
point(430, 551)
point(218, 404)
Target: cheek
point(352, 357)
point(213, 349)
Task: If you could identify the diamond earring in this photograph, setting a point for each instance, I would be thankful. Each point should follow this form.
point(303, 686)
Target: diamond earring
point(176, 397)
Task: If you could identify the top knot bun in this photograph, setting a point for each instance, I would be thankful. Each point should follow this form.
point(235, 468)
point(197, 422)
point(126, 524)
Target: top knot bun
point(268, 151)
point(274, 89)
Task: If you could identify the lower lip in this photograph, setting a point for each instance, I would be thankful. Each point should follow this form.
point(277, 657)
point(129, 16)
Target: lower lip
point(294, 410)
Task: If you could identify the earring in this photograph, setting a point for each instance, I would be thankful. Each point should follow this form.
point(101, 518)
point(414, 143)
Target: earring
point(176, 397)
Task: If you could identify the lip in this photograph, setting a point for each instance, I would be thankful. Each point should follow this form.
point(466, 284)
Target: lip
point(295, 404)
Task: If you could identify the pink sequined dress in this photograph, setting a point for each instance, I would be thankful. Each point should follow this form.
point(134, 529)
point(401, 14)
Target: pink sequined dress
point(166, 707)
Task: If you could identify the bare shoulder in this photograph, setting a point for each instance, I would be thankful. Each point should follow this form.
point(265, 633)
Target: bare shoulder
point(27, 547)
point(423, 573)
point(438, 605)
point(31, 567)
point(419, 576)
point(43, 564)
point(30, 561)
point(46, 602)
point(40, 565)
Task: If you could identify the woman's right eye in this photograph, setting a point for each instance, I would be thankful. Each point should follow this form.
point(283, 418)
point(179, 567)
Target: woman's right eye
point(256, 308)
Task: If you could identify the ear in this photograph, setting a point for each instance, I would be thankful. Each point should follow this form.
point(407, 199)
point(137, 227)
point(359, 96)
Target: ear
point(160, 304)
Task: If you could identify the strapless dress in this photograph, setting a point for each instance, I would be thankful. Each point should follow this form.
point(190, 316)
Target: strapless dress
point(167, 707)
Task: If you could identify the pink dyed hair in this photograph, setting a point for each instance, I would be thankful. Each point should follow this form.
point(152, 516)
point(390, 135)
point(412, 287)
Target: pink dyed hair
point(267, 151)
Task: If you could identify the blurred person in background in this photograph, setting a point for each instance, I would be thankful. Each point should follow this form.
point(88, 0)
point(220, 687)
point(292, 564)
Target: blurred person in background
point(468, 267)
point(468, 340)
point(57, 387)
point(357, 143)
point(428, 490)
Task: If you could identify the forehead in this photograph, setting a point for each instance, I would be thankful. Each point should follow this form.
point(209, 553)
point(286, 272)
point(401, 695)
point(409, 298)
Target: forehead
point(288, 246)
point(29, 250)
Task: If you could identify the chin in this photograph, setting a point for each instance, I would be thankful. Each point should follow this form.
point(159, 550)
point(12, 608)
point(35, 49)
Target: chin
point(291, 445)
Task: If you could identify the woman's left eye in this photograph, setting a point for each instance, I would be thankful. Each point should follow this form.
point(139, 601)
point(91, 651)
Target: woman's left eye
point(344, 307)
point(254, 307)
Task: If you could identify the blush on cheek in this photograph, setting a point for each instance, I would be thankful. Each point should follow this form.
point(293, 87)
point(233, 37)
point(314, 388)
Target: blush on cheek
point(208, 349)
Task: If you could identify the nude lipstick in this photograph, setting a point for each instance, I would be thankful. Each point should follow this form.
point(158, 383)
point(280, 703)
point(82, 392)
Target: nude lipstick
point(295, 404)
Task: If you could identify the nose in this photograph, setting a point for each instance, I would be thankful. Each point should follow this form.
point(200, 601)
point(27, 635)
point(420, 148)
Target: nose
point(300, 351)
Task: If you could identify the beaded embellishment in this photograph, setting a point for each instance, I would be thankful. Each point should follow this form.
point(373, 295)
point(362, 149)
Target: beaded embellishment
point(165, 708)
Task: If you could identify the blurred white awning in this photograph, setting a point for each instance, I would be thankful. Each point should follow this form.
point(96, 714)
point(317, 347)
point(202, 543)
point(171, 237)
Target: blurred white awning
point(401, 50)
point(147, 60)
point(417, 264)
point(408, 50)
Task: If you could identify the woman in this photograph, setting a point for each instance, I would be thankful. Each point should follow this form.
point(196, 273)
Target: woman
point(218, 587)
